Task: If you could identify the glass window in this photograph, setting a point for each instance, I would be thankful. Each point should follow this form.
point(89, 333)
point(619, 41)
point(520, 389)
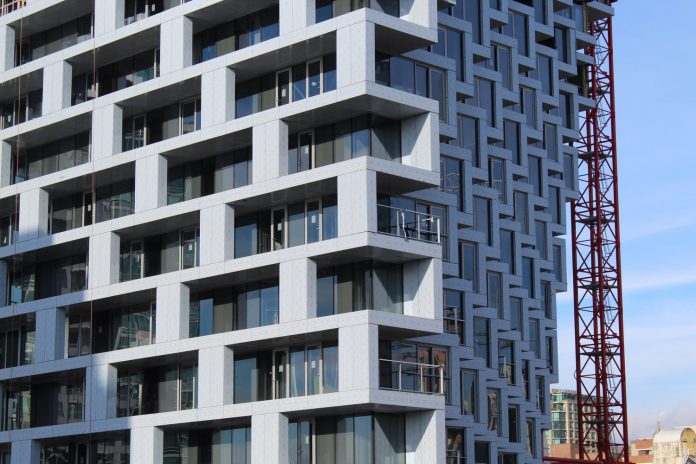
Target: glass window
point(558, 263)
point(472, 13)
point(504, 65)
point(482, 217)
point(507, 248)
point(438, 87)
point(468, 136)
point(495, 291)
point(482, 452)
point(468, 257)
point(484, 98)
point(528, 275)
point(545, 71)
point(456, 449)
point(506, 360)
point(482, 339)
point(451, 178)
point(516, 314)
point(514, 423)
point(496, 177)
point(453, 314)
point(521, 211)
point(493, 397)
point(534, 336)
point(529, 105)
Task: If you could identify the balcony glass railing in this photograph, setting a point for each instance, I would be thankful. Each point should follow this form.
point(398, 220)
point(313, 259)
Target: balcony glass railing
point(408, 224)
point(412, 377)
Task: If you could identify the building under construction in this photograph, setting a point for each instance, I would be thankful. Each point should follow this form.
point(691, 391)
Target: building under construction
point(295, 231)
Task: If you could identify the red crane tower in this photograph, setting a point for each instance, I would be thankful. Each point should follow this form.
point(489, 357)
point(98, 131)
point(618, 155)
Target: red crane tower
point(600, 363)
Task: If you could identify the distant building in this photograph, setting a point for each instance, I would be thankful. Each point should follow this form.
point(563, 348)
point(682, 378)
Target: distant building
point(642, 451)
point(563, 437)
point(674, 446)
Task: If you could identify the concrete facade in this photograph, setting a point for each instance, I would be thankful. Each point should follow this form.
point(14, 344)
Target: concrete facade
point(443, 194)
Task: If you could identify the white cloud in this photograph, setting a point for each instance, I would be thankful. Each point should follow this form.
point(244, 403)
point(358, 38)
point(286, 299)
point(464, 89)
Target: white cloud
point(643, 423)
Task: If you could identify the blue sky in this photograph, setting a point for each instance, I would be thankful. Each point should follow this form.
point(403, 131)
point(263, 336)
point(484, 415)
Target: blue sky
point(655, 63)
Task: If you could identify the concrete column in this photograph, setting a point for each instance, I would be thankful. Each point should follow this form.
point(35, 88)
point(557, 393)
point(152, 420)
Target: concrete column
point(422, 288)
point(6, 173)
point(150, 183)
point(357, 202)
point(298, 290)
point(176, 45)
point(108, 16)
point(25, 452)
point(50, 335)
point(7, 47)
point(33, 214)
point(358, 357)
point(57, 86)
point(425, 438)
point(217, 97)
point(172, 313)
point(420, 145)
point(217, 234)
point(296, 15)
point(146, 445)
point(107, 131)
point(355, 54)
point(269, 439)
point(100, 394)
point(104, 250)
point(270, 150)
point(215, 376)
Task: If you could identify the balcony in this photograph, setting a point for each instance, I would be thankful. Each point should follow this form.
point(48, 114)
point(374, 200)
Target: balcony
point(413, 368)
point(409, 224)
point(8, 6)
point(412, 377)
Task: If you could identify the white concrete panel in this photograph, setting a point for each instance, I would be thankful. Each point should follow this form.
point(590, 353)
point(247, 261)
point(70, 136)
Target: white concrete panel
point(270, 150)
point(355, 54)
point(108, 16)
point(217, 97)
point(420, 142)
point(33, 214)
point(172, 313)
point(50, 335)
point(269, 439)
point(296, 15)
point(146, 445)
point(25, 452)
point(6, 173)
point(215, 376)
point(358, 357)
point(107, 130)
point(7, 47)
point(100, 392)
point(425, 437)
point(176, 45)
point(422, 288)
point(357, 202)
point(217, 234)
point(298, 290)
point(150, 183)
point(104, 262)
point(57, 87)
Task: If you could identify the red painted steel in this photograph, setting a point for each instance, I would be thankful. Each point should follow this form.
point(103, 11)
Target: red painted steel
point(600, 363)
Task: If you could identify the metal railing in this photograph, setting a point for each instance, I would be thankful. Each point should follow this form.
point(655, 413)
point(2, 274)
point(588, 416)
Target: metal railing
point(412, 377)
point(408, 224)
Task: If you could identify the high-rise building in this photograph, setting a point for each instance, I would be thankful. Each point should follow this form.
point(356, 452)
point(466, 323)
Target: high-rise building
point(563, 438)
point(284, 231)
